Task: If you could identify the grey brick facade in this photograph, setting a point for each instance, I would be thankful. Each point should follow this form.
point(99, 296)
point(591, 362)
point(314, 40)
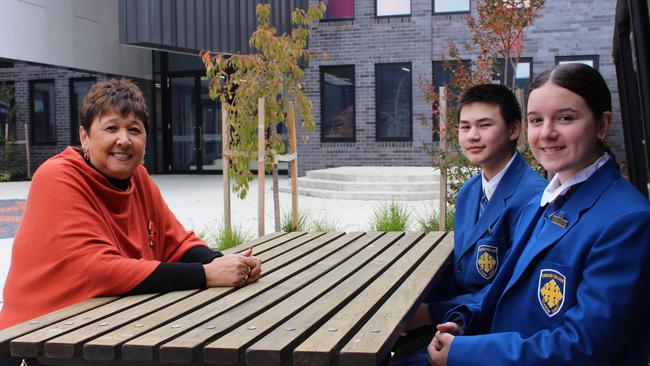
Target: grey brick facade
point(21, 75)
point(578, 28)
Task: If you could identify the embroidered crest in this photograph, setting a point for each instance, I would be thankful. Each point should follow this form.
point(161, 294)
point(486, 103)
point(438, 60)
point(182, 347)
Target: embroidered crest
point(487, 260)
point(551, 290)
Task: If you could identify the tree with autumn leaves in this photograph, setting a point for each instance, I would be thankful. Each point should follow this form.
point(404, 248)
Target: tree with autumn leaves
point(497, 34)
point(273, 73)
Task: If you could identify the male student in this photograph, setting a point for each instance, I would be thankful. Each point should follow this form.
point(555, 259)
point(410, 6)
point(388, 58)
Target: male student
point(487, 206)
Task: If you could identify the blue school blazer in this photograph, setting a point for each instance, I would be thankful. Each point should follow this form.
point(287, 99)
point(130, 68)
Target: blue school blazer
point(577, 290)
point(480, 247)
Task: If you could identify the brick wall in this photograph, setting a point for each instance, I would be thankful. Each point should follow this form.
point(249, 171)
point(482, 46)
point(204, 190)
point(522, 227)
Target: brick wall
point(585, 27)
point(21, 75)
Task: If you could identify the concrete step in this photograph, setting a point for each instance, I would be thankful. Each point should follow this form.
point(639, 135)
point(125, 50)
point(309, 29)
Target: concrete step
point(365, 195)
point(376, 174)
point(357, 186)
point(370, 183)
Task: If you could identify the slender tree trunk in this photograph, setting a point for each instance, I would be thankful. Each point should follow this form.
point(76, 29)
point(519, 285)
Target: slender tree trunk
point(276, 189)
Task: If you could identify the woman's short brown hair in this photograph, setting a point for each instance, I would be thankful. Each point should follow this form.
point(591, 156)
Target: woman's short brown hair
point(121, 96)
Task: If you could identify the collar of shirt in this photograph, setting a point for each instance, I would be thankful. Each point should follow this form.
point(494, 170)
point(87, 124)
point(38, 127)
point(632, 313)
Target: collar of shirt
point(489, 186)
point(556, 188)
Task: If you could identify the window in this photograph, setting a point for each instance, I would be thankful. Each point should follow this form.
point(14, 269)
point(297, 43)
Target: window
point(43, 112)
point(6, 64)
point(339, 9)
point(450, 6)
point(445, 77)
point(78, 90)
point(523, 75)
point(7, 104)
point(337, 103)
point(591, 60)
point(387, 8)
point(393, 102)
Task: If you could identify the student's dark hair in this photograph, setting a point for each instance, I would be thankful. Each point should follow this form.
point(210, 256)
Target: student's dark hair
point(584, 81)
point(495, 94)
point(114, 95)
point(581, 79)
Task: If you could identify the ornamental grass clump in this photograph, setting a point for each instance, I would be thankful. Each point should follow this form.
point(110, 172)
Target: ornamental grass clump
point(430, 221)
point(303, 221)
point(325, 225)
point(390, 217)
point(223, 238)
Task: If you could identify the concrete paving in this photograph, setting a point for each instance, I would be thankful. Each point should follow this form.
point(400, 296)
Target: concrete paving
point(197, 201)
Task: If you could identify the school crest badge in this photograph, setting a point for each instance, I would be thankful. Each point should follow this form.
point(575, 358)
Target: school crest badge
point(551, 290)
point(487, 260)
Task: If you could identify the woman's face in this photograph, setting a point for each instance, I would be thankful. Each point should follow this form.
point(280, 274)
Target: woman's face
point(115, 144)
point(562, 131)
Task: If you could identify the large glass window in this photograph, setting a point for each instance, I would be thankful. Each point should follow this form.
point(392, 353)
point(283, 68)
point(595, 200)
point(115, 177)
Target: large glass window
point(79, 87)
point(337, 103)
point(591, 60)
point(7, 102)
point(43, 112)
point(450, 6)
point(393, 102)
point(523, 75)
point(339, 9)
point(387, 8)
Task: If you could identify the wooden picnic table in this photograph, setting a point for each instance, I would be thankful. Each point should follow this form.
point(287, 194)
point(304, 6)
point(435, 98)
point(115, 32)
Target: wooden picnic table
point(324, 298)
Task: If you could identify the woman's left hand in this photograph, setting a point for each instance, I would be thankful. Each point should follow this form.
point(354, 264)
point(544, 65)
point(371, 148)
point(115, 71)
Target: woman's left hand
point(233, 269)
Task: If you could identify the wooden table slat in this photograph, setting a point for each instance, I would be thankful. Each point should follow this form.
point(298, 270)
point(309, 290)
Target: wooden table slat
point(70, 344)
point(108, 346)
point(319, 348)
point(186, 347)
point(226, 350)
point(144, 347)
point(373, 341)
point(256, 243)
point(31, 344)
point(6, 335)
point(274, 346)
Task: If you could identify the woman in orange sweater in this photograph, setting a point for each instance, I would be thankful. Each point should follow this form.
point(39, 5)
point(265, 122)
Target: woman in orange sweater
point(95, 224)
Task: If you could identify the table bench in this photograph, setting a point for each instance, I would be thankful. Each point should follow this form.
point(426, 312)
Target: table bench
point(324, 298)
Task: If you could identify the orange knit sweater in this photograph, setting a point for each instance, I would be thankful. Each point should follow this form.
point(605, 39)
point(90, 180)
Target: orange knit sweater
point(81, 238)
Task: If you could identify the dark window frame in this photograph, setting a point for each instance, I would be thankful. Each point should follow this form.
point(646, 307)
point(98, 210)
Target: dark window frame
point(7, 63)
point(354, 104)
point(324, 19)
point(12, 122)
point(434, 12)
point(74, 130)
point(393, 15)
point(409, 65)
point(531, 73)
point(32, 126)
point(435, 119)
point(593, 58)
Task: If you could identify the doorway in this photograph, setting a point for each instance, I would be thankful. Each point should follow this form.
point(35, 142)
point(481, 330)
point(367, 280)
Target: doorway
point(194, 127)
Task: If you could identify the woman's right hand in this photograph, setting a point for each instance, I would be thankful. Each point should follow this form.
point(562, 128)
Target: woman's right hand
point(233, 269)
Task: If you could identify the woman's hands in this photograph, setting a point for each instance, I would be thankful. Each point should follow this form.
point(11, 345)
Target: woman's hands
point(438, 349)
point(233, 269)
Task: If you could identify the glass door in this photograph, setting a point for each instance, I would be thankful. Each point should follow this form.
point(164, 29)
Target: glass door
point(195, 125)
point(183, 123)
point(210, 129)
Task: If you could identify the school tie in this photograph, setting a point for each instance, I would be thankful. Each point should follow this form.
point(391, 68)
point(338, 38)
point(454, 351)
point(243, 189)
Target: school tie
point(483, 204)
point(559, 201)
